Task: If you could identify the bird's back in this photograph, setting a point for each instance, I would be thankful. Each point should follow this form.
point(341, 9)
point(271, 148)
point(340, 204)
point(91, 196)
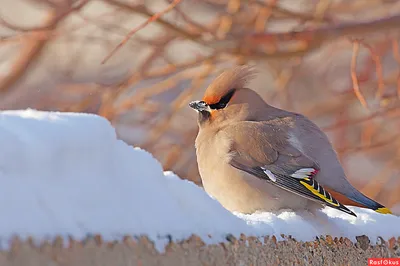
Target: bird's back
point(308, 138)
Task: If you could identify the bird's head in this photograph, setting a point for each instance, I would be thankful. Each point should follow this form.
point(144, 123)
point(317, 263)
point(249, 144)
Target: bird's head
point(227, 98)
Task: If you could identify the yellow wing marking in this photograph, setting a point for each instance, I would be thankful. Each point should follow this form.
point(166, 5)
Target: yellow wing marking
point(318, 194)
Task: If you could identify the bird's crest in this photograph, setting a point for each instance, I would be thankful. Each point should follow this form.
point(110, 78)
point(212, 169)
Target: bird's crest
point(235, 78)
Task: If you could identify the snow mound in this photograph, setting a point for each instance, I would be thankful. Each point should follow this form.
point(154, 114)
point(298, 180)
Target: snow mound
point(67, 174)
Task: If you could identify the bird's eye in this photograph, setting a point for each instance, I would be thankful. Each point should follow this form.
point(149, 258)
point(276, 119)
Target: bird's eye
point(224, 101)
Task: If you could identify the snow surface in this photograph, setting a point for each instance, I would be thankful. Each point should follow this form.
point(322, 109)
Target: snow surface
point(68, 174)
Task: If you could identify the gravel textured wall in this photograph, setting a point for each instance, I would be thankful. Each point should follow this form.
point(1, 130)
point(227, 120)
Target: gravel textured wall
point(193, 251)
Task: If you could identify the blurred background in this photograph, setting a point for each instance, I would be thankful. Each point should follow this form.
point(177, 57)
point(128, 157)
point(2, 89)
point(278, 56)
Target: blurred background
point(139, 64)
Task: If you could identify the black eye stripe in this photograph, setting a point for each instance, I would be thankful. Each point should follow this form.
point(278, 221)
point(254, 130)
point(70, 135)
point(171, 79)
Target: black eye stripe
point(218, 105)
point(224, 100)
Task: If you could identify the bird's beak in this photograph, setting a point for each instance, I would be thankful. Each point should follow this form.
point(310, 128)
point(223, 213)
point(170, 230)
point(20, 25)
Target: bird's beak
point(200, 106)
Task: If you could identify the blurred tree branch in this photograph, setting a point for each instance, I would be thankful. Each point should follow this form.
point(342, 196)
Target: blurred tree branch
point(325, 33)
point(35, 42)
point(151, 19)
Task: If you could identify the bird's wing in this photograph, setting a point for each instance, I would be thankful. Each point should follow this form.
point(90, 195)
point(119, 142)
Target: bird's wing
point(263, 150)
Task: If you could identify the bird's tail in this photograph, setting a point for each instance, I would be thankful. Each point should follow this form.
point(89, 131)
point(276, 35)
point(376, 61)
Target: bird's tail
point(363, 201)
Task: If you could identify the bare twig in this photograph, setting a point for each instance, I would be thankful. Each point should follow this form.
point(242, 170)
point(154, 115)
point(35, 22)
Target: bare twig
point(13, 27)
point(356, 45)
point(141, 26)
point(378, 69)
point(361, 120)
point(396, 54)
point(326, 33)
point(289, 13)
point(379, 144)
point(143, 11)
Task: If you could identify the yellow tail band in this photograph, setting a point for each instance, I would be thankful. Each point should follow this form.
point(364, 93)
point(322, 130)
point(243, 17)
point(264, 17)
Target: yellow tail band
point(383, 210)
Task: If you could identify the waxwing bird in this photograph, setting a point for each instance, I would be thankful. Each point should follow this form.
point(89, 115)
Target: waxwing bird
point(255, 157)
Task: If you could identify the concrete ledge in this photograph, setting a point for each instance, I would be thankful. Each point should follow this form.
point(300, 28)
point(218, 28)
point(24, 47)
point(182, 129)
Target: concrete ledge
point(193, 251)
